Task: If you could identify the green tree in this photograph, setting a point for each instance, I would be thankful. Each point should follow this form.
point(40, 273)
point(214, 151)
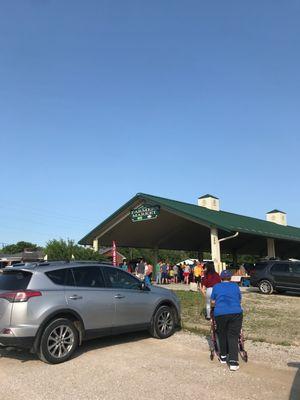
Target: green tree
point(67, 250)
point(19, 247)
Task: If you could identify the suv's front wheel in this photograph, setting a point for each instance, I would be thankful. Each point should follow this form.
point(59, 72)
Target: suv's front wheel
point(266, 287)
point(163, 322)
point(58, 342)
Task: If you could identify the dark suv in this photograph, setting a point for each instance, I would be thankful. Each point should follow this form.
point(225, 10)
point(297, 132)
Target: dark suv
point(276, 275)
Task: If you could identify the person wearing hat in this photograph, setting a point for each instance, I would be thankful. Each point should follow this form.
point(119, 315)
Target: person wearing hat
point(226, 299)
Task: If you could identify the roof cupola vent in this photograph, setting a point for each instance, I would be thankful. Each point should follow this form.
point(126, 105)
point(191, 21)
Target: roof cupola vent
point(210, 202)
point(277, 216)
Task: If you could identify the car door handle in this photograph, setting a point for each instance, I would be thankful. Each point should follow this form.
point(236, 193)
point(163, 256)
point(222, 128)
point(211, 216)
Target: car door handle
point(75, 297)
point(119, 296)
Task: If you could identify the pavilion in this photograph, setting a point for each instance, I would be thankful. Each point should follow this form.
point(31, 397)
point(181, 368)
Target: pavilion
point(153, 222)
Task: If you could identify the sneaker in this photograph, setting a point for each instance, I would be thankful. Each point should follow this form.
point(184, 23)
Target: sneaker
point(233, 365)
point(223, 359)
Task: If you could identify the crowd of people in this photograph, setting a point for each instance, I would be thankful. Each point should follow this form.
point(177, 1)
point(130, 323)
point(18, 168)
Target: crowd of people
point(164, 273)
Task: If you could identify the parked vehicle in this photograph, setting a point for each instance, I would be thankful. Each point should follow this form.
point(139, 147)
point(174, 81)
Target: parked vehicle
point(51, 308)
point(277, 275)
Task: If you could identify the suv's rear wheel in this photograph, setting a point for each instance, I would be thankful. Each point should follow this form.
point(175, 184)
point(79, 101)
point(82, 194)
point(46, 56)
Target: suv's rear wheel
point(265, 287)
point(58, 342)
point(163, 323)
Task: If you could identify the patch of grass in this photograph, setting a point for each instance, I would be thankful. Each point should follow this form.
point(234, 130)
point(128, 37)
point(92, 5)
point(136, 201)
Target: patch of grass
point(284, 343)
point(271, 319)
point(195, 329)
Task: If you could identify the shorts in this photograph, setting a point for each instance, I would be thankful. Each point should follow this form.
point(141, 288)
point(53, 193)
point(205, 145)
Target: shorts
point(186, 274)
point(198, 279)
point(164, 275)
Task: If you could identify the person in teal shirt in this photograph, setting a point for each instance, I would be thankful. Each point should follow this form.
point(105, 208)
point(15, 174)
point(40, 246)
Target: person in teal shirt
point(124, 266)
point(158, 272)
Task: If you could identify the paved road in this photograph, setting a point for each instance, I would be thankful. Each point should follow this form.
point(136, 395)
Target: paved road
point(139, 367)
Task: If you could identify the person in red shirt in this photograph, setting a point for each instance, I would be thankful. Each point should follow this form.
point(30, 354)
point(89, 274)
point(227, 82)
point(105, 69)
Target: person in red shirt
point(210, 279)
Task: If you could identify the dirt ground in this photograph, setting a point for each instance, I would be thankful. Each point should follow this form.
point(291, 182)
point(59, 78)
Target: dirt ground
point(139, 367)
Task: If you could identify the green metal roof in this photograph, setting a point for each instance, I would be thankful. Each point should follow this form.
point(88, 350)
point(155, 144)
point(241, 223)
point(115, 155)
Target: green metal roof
point(220, 219)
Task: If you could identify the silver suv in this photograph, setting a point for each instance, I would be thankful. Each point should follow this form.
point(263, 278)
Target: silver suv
point(51, 308)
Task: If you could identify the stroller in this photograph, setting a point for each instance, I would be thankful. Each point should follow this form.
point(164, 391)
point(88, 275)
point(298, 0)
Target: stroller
point(214, 342)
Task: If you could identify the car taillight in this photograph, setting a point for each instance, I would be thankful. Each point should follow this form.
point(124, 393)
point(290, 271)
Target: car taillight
point(19, 296)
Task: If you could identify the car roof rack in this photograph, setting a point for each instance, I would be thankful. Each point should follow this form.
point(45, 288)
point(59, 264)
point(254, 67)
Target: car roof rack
point(34, 265)
point(89, 262)
point(71, 262)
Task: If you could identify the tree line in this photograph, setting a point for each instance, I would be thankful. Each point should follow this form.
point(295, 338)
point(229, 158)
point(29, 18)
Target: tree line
point(61, 249)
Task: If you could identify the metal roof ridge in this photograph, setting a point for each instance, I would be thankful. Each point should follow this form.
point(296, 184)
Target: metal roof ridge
point(259, 219)
point(220, 211)
point(177, 201)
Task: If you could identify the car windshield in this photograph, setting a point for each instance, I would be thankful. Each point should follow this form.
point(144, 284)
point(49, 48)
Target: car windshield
point(14, 280)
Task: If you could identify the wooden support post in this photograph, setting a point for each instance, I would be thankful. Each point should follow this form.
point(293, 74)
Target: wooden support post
point(96, 245)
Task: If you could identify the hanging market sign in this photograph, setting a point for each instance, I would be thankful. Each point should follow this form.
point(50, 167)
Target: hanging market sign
point(144, 213)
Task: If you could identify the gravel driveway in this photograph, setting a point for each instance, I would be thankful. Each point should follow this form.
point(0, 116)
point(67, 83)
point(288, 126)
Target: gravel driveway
point(139, 367)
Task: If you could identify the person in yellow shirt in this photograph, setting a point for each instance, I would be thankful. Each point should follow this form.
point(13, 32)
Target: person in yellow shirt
point(171, 275)
point(198, 272)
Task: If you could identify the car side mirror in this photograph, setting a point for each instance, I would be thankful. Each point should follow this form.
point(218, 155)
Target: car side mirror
point(144, 286)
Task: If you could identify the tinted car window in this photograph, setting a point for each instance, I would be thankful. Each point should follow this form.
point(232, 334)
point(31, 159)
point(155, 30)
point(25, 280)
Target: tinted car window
point(14, 280)
point(119, 279)
point(88, 277)
point(296, 268)
point(280, 267)
point(260, 265)
point(57, 276)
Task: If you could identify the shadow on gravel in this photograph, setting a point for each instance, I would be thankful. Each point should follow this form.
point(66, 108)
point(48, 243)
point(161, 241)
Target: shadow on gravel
point(295, 389)
point(100, 343)
point(25, 355)
point(17, 354)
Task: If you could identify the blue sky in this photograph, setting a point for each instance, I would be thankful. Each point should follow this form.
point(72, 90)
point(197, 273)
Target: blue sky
point(103, 99)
